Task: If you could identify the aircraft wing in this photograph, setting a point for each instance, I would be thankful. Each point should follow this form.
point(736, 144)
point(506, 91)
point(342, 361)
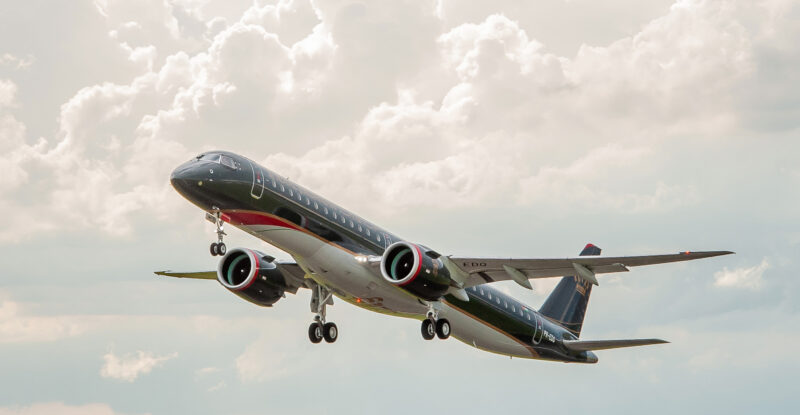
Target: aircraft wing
point(486, 270)
point(291, 271)
point(588, 345)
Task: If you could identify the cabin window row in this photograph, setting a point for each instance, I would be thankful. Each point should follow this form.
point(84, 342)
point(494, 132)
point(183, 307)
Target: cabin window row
point(513, 308)
point(330, 213)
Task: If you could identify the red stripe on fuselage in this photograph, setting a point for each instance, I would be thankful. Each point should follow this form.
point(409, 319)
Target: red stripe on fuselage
point(254, 218)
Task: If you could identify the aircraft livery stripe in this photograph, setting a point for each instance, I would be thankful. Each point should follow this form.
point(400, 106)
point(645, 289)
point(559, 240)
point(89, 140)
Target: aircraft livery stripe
point(251, 218)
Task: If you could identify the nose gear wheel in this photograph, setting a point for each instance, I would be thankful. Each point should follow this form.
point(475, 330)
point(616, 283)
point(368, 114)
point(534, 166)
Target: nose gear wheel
point(218, 248)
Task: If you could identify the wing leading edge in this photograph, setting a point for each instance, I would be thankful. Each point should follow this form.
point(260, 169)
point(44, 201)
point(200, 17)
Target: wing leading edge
point(291, 271)
point(486, 270)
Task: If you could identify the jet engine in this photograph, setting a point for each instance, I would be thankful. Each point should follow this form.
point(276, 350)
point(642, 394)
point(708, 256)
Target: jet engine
point(251, 275)
point(410, 267)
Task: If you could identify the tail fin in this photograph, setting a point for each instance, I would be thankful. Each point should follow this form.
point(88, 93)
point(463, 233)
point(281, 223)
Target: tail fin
point(566, 305)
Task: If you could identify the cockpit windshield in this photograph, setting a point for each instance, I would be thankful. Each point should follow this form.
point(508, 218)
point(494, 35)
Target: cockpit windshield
point(209, 157)
point(226, 161)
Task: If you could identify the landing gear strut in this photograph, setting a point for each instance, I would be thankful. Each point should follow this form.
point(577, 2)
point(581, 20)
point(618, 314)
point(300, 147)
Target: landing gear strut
point(433, 326)
point(320, 329)
point(218, 248)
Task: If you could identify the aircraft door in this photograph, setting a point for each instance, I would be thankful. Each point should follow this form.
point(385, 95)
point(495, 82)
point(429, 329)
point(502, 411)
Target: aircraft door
point(538, 331)
point(257, 190)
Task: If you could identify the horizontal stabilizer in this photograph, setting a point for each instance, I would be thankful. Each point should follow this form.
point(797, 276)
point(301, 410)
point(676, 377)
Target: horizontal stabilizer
point(202, 275)
point(587, 345)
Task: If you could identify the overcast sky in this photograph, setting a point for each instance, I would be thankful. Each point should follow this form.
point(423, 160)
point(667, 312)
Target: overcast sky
point(474, 127)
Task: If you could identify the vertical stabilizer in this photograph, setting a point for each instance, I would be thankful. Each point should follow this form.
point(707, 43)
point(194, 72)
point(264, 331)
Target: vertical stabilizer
point(566, 305)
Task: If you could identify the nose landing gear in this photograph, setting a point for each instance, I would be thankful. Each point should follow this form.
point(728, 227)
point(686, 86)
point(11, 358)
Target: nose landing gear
point(217, 248)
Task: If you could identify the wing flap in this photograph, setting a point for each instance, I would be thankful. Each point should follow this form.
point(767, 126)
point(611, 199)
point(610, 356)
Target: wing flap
point(589, 345)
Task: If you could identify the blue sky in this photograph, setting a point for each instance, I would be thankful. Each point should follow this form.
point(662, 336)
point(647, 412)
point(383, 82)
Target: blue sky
point(476, 128)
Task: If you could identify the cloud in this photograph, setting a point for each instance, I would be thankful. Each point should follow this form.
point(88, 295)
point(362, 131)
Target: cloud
point(745, 278)
point(16, 62)
point(16, 327)
point(470, 113)
point(60, 409)
point(130, 366)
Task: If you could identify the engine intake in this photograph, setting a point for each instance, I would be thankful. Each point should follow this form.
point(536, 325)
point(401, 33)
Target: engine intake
point(406, 265)
point(251, 275)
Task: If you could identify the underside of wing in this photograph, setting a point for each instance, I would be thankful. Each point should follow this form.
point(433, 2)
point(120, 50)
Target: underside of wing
point(292, 272)
point(486, 270)
point(200, 275)
point(589, 345)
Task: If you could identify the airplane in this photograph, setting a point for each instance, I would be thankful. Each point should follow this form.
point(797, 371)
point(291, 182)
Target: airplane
point(337, 253)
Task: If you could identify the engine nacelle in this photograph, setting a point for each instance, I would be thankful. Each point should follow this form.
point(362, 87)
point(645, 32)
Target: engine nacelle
point(252, 276)
point(407, 266)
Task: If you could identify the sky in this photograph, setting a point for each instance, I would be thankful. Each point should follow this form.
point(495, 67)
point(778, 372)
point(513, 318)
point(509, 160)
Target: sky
point(483, 128)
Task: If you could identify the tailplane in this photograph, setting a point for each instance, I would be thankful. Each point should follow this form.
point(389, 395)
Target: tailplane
point(587, 345)
point(566, 305)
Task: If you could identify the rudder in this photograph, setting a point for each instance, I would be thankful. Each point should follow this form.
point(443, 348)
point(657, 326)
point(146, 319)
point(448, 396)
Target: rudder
point(566, 305)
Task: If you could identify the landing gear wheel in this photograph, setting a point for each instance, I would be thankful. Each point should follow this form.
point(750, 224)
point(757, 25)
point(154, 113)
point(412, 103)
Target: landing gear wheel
point(315, 332)
point(443, 328)
point(217, 248)
point(330, 332)
point(428, 329)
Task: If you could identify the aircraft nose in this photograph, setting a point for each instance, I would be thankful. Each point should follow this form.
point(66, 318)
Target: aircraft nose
point(187, 176)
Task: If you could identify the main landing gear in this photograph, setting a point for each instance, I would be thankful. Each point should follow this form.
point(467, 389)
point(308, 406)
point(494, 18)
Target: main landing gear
point(218, 248)
point(433, 326)
point(320, 329)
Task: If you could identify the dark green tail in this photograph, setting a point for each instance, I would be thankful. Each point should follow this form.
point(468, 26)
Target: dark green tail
point(566, 305)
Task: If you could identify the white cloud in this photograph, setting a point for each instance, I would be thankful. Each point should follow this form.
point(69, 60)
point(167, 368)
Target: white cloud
point(130, 366)
point(16, 327)
point(16, 62)
point(469, 114)
point(59, 408)
point(747, 278)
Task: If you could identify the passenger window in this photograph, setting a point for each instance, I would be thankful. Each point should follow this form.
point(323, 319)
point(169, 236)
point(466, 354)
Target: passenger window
point(316, 206)
point(367, 231)
point(334, 215)
point(291, 193)
point(326, 210)
point(498, 300)
point(379, 238)
point(359, 228)
point(513, 309)
point(528, 316)
point(505, 304)
point(352, 225)
point(490, 296)
point(283, 189)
